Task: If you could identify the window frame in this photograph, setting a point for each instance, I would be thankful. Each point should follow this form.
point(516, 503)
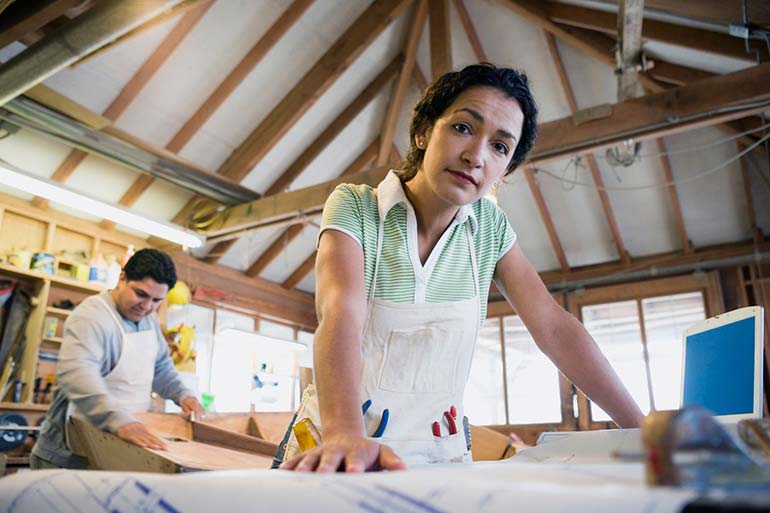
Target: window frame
point(707, 284)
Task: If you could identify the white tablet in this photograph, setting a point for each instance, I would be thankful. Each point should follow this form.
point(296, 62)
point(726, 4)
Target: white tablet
point(722, 364)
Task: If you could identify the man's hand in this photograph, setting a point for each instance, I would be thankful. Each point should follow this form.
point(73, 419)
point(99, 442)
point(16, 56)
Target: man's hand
point(191, 405)
point(354, 454)
point(138, 434)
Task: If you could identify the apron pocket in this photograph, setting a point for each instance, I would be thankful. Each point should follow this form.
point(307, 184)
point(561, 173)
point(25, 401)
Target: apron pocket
point(421, 360)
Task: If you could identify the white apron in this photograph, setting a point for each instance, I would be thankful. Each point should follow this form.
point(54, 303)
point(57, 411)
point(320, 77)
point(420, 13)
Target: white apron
point(130, 381)
point(415, 361)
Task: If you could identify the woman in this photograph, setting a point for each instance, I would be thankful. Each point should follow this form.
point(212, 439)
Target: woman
point(400, 274)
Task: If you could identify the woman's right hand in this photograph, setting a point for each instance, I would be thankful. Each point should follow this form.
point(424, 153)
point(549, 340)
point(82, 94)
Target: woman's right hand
point(348, 453)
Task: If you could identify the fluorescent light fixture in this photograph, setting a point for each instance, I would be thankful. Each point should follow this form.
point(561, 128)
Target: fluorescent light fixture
point(275, 343)
point(18, 179)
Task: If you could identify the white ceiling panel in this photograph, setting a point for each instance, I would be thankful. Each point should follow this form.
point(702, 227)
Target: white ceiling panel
point(293, 255)
point(714, 205)
point(248, 247)
point(516, 200)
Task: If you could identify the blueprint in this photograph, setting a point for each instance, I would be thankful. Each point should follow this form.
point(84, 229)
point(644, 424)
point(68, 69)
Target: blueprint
point(479, 487)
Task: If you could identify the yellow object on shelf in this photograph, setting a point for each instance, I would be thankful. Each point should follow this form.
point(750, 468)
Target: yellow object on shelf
point(307, 434)
point(179, 295)
point(80, 271)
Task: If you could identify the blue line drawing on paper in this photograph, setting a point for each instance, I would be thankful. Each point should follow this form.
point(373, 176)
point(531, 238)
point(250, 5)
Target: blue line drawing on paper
point(66, 492)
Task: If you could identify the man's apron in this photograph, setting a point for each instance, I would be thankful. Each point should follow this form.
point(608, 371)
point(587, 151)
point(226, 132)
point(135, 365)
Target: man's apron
point(130, 381)
point(415, 361)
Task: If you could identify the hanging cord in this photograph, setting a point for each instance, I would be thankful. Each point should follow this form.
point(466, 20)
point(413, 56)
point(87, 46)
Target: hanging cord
point(664, 184)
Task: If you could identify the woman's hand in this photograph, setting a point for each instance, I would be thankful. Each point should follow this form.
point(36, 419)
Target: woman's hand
point(348, 453)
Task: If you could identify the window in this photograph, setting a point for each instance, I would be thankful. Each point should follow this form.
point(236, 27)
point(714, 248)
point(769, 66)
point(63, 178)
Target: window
point(533, 381)
point(617, 329)
point(483, 400)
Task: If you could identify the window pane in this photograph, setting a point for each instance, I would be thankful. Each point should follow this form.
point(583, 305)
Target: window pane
point(665, 320)
point(483, 401)
point(616, 329)
point(533, 381)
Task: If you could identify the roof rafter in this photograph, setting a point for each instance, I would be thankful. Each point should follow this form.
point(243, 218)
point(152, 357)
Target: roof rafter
point(131, 90)
point(222, 92)
point(321, 76)
point(399, 89)
point(679, 35)
point(676, 205)
point(545, 215)
point(440, 38)
point(21, 18)
point(609, 215)
point(654, 115)
point(321, 142)
point(470, 31)
point(361, 162)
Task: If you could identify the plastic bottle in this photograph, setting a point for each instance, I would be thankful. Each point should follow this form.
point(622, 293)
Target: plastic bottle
point(129, 253)
point(113, 272)
point(98, 271)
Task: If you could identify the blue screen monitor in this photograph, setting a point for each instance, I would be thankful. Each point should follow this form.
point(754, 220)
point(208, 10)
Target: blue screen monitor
point(722, 364)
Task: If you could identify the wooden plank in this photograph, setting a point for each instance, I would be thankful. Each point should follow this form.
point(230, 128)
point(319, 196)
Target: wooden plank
point(654, 115)
point(660, 261)
point(440, 39)
point(364, 160)
point(238, 74)
point(173, 39)
point(321, 76)
point(337, 126)
point(25, 17)
point(676, 206)
point(714, 10)
point(679, 35)
point(396, 104)
point(470, 31)
point(60, 103)
point(755, 230)
point(133, 87)
point(212, 435)
point(300, 272)
point(134, 192)
point(675, 74)
point(550, 228)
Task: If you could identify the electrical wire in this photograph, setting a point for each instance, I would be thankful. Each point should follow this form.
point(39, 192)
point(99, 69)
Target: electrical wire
point(665, 184)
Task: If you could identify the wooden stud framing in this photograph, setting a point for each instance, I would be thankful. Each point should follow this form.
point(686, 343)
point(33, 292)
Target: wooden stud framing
point(689, 37)
point(674, 197)
point(558, 249)
point(440, 38)
point(399, 89)
point(18, 25)
point(590, 160)
point(755, 230)
point(470, 32)
point(364, 160)
point(315, 82)
point(645, 354)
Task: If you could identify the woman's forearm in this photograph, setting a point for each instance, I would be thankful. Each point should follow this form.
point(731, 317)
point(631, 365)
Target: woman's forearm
point(577, 355)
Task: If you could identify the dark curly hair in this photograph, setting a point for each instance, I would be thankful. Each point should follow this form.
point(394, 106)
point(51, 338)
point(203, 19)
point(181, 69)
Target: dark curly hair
point(151, 263)
point(444, 91)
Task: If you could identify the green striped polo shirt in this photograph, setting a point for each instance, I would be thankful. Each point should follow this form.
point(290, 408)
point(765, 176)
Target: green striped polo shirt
point(447, 274)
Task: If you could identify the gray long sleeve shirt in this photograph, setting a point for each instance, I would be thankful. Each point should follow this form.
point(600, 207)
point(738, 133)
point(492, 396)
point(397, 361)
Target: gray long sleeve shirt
point(90, 350)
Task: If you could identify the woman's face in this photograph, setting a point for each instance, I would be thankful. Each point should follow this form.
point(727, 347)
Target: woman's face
point(469, 147)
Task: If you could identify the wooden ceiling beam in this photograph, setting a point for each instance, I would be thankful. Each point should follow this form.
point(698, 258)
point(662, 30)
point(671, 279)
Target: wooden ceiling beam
point(363, 161)
point(131, 90)
point(396, 103)
point(655, 115)
point(24, 17)
point(316, 147)
point(545, 215)
point(299, 274)
point(321, 76)
point(470, 31)
point(609, 215)
point(661, 261)
point(756, 232)
point(676, 205)
point(218, 97)
point(440, 38)
point(714, 10)
point(679, 35)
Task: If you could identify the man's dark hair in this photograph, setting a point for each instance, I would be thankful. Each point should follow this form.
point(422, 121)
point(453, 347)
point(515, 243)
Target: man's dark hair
point(444, 91)
point(151, 263)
